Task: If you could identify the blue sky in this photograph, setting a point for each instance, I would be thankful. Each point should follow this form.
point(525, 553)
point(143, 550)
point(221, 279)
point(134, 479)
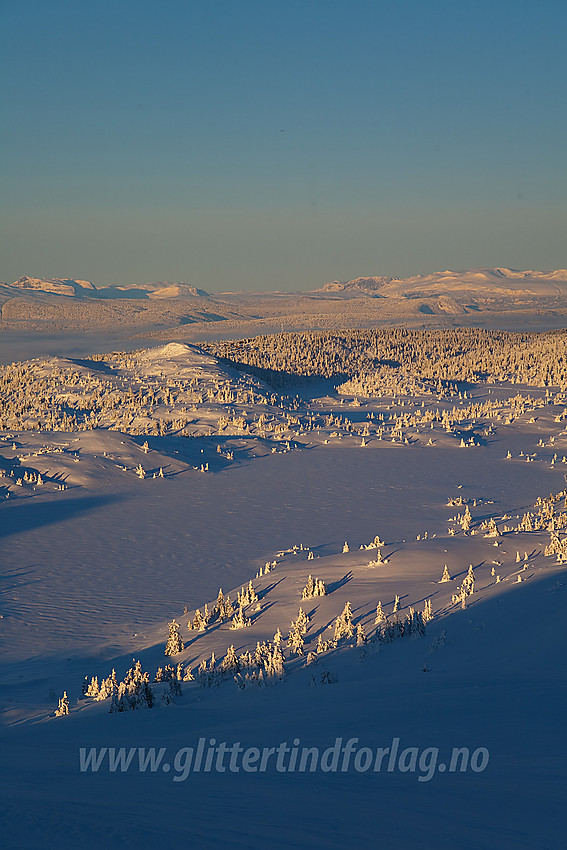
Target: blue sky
point(255, 145)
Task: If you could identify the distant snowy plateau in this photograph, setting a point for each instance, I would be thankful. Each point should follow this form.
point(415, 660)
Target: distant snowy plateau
point(46, 315)
point(255, 596)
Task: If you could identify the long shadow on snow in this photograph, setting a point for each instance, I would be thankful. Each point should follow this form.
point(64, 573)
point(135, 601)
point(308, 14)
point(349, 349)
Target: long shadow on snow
point(20, 518)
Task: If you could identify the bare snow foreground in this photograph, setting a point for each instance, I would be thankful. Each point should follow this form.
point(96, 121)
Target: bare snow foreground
point(385, 661)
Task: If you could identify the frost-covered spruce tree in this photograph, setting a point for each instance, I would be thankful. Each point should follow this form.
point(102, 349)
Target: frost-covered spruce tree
point(314, 587)
point(466, 519)
point(239, 621)
point(380, 615)
point(297, 630)
point(446, 575)
point(223, 608)
point(322, 645)
point(468, 583)
point(199, 622)
point(396, 603)
point(107, 687)
point(63, 707)
point(247, 595)
point(414, 624)
point(295, 641)
point(93, 689)
point(360, 636)
point(165, 674)
point(301, 623)
point(427, 612)
point(466, 589)
point(230, 663)
point(209, 675)
point(174, 643)
point(460, 597)
point(493, 530)
point(308, 589)
point(343, 624)
point(346, 547)
point(274, 664)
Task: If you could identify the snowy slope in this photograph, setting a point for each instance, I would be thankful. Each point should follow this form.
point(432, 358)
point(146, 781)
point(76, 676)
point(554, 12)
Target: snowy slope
point(93, 573)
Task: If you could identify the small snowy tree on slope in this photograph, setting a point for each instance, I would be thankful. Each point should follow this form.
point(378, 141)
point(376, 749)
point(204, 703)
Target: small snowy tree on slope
point(174, 643)
point(63, 707)
point(380, 615)
point(343, 624)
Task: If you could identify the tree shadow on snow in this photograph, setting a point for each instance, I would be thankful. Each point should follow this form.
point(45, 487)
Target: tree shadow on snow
point(265, 590)
point(25, 517)
point(335, 585)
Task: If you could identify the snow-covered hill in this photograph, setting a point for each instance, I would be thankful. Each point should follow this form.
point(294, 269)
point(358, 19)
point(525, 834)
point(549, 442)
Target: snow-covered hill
point(53, 286)
point(483, 283)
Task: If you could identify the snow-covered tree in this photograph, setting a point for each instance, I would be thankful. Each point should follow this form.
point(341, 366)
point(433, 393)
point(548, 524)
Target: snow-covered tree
point(93, 689)
point(199, 622)
point(247, 595)
point(324, 645)
point(380, 615)
point(209, 675)
point(274, 664)
point(164, 674)
point(63, 707)
point(295, 641)
point(466, 519)
point(314, 587)
point(446, 575)
point(107, 687)
point(239, 621)
point(174, 643)
point(343, 624)
point(492, 529)
point(230, 663)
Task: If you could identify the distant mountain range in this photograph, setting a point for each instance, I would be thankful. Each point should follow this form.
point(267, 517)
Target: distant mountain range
point(500, 281)
point(485, 297)
point(496, 282)
point(86, 289)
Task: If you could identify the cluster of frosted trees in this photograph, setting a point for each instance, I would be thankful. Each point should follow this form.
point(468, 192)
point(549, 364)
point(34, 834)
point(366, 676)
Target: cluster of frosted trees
point(40, 395)
point(442, 356)
point(545, 517)
point(466, 589)
point(263, 666)
point(224, 610)
point(130, 693)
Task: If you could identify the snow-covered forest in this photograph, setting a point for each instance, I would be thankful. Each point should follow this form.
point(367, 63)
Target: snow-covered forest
point(286, 540)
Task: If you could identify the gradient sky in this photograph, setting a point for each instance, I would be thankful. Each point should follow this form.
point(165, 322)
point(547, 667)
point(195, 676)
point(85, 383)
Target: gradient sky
point(281, 145)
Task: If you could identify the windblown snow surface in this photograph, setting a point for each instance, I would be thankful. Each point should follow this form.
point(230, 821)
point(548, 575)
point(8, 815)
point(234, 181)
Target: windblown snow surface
point(98, 557)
